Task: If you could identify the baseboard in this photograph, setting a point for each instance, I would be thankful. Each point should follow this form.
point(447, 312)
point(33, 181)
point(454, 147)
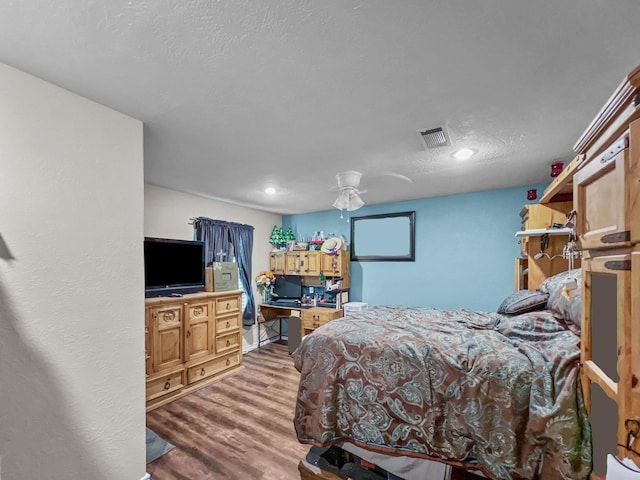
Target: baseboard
point(146, 477)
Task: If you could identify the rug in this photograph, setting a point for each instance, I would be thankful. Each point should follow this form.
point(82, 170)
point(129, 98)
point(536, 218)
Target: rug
point(156, 447)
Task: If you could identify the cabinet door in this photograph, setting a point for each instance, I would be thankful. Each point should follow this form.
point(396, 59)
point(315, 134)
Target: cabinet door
point(292, 263)
point(607, 335)
point(199, 331)
point(310, 263)
point(601, 191)
point(148, 341)
point(331, 264)
point(277, 262)
point(167, 336)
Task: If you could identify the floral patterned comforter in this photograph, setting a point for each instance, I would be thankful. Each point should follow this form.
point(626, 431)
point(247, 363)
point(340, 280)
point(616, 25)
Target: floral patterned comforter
point(452, 385)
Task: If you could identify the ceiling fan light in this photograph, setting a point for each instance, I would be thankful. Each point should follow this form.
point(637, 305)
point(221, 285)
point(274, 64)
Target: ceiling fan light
point(342, 202)
point(355, 202)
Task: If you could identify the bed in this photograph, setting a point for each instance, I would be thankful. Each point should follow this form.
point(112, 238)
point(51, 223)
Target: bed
point(495, 392)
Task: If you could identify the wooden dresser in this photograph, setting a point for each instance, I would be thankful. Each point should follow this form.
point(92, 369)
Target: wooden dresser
point(190, 342)
point(606, 191)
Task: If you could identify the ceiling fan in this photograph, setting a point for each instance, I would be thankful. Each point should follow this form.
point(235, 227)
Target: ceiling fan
point(348, 183)
point(349, 196)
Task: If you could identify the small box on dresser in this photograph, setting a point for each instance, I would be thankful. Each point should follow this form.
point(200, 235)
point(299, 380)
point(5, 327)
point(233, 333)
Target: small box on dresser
point(222, 277)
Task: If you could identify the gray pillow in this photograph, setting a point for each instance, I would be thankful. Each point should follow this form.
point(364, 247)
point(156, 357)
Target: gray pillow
point(523, 301)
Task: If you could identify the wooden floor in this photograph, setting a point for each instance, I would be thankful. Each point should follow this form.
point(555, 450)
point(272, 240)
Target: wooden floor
point(239, 428)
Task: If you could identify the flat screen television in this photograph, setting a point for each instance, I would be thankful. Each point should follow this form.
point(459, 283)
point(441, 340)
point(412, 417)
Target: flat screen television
point(173, 267)
point(288, 286)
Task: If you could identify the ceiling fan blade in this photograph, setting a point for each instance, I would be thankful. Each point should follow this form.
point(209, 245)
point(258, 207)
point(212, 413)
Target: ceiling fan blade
point(399, 176)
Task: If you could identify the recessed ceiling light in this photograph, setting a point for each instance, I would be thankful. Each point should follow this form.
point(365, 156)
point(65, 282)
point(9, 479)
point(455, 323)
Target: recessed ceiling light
point(463, 154)
point(270, 191)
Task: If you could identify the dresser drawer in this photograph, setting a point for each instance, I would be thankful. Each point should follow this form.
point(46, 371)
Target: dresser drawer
point(198, 311)
point(606, 197)
point(212, 367)
point(227, 342)
point(316, 317)
point(227, 323)
point(165, 384)
point(226, 305)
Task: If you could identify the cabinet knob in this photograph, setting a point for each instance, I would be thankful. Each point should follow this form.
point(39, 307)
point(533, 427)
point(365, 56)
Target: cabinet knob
point(188, 333)
point(202, 372)
point(167, 385)
point(228, 325)
point(228, 306)
point(228, 342)
point(228, 362)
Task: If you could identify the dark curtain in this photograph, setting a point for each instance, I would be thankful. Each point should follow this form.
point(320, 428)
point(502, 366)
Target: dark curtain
point(224, 241)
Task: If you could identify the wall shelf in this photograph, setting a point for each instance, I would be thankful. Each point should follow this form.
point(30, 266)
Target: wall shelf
point(538, 232)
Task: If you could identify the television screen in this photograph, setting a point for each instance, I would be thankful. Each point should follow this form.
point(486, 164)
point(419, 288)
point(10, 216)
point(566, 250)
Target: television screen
point(288, 286)
point(173, 266)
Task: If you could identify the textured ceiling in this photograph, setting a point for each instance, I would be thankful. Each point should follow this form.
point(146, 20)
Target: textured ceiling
point(240, 95)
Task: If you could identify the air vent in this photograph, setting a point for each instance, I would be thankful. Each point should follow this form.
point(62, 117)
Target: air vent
point(435, 137)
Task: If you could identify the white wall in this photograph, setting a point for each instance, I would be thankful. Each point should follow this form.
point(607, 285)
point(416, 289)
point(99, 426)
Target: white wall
point(167, 213)
point(72, 393)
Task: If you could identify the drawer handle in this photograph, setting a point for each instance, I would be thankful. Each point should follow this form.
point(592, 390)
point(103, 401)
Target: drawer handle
point(228, 342)
point(202, 372)
point(316, 324)
point(167, 385)
point(228, 325)
point(228, 306)
point(188, 333)
point(228, 362)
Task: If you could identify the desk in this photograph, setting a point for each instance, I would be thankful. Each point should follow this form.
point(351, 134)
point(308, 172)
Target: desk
point(269, 313)
point(311, 318)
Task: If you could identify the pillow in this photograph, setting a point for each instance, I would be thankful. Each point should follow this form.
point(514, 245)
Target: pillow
point(523, 301)
point(566, 303)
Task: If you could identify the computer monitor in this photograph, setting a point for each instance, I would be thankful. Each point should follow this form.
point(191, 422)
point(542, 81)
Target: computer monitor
point(288, 286)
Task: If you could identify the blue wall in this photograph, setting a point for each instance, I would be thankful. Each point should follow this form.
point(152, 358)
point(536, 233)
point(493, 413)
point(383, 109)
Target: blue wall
point(465, 250)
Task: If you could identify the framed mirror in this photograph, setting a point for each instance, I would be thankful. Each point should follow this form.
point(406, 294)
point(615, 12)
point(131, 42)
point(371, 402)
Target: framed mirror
point(388, 237)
